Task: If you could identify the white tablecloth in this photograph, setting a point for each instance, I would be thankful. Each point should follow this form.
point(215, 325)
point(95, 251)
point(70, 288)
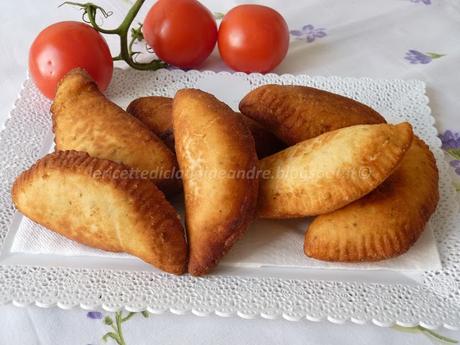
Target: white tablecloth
point(360, 38)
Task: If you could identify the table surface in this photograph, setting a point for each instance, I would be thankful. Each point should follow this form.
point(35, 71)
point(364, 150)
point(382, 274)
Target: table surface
point(406, 39)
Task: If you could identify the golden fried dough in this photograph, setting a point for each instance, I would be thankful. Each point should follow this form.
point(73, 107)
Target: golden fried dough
point(325, 173)
point(155, 113)
point(386, 222)
point(296, 113)
point(217, 157)
point(85, 120)
point(96, 202)
point(266, 142)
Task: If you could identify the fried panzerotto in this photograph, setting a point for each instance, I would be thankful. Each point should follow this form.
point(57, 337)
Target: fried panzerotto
point(386, 222)
point(217, 157)
point(266, 142)
point(325, 173)
point(156, 113)
point(296, 113)
point(98, 203)
point(85, 120)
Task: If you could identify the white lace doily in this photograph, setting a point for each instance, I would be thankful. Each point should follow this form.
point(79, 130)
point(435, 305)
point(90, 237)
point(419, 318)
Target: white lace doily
point(433, 303)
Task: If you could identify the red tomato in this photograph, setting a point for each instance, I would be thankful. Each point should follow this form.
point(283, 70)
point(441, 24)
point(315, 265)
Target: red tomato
point(66, 45)
point(181, 32)
point(253, 38)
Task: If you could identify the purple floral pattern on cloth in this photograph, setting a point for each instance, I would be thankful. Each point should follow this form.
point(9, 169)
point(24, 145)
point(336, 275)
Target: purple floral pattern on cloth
point(416, 57)
point(451, 144)
point(309, 33)
point(96, 315)
point(425, 2)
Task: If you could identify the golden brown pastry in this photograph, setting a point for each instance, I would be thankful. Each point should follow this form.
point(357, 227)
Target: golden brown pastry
point(266, 142)
point(296, 113)
point(96, 202)
point(386, 222)
point(85, 120)
point(217, 157)
point(156, 112)
point(325, 173)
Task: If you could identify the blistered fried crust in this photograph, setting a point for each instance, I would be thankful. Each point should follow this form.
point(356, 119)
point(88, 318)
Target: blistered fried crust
point(296, 113)
point(85, 120)
point(385, 223)
point(216, 155)
point(96, 202)
point(156, 113)
point(325, 173)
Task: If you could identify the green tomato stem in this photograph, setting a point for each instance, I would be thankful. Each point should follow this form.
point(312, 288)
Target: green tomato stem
point(126, 54)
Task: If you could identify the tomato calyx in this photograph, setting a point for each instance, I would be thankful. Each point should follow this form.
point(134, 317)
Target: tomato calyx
point(126, 54)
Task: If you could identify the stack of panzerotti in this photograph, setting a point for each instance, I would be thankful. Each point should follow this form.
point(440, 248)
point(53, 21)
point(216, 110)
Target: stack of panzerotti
point(293, 151)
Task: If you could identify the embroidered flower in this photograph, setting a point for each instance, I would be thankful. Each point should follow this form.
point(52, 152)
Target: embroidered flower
point(456, 165)
point(416, 57)
point(450, 140)
point(309, 33)
point(425, 2)
point(451, 144)
point(94, 315)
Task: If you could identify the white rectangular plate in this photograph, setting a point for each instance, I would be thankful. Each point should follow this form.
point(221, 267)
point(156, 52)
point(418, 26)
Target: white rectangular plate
point(267, 243)
point(430, 298)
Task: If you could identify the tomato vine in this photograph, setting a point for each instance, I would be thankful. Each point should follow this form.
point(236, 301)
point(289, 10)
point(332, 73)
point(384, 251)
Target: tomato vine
point(126, 53)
